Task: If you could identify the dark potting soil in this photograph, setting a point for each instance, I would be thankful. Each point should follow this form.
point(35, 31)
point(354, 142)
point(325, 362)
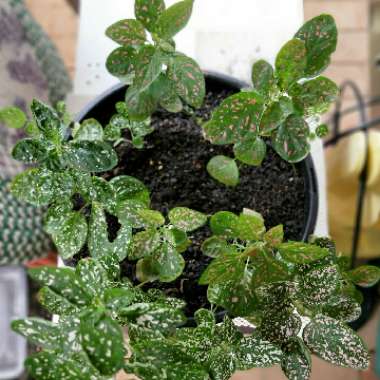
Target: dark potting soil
point(173, 166)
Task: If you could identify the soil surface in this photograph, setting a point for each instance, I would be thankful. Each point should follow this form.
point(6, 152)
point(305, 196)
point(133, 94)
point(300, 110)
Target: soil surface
point(173, 166)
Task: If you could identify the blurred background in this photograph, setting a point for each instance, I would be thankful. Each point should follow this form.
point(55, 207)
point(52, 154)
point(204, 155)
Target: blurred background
point(56, 49)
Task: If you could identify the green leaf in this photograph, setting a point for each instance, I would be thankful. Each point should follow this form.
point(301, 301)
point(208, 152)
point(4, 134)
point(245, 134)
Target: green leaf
point(237, 297)
point(34, 186)
point(148, 11)
point(55, 303)
point(174, 19)
point(290, 140)
point(102, 192)
point(102, 339)
point(144, 243)
point(291, 62)
point(296, 361)
point(89, 130)
point(315, 96)
point(251, 150)
point(121, 63)
point(319, 284)
point(91, 156)
point(250, 226)
point(224, 223)
point(128, 212)
point(301, 253)
point(71, 234)
point(274, 236)
point(92, 277)
point(98, 242)
point(365, 276)
point(263, 77)
point(176, 238)
point(214, 246)
point(151, 218)
point(141, 104)
point(145, 270)
point(320, 35)
point(30, 151)
point(186, 219)
point(227, 267)
point(275, 115)
point(48, 121)
point(13, 117)
point(188, 79)
point(63, 282)
point(224, 170)
point(155, 316)
point(127, 32)
point(343, 308)
point(222, 363)
point(255, 352)
point(237, 116)
point(336, 343)
point(130, 188)
point(168, 263)
point(38, 331)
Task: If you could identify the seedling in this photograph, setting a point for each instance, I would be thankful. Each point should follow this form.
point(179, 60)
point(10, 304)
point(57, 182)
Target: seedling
point(280, 106)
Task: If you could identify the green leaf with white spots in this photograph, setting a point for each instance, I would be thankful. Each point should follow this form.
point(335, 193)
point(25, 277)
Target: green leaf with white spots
point(279, 327)
point(222, 363)
point(148, 11)
point(251, 150)
point(275, 236)
point(34, 186)
point(214, 246)
point(301, 253)
point(144, 243)
point(224, 223)
point(290, 140)
point(291, 62)
point(91, 156)
point(319, 284)
point(186, 219)
point(296, 360)
point(176, 238)
point(30, 151)
point(237, 297)
point(227, 267)
point(145, 270)
point(262, 77)
point(103, 341)
point(168, 263)
point(38, 331)
point(188, 79)
point(92, 277)
point(224, 170)
point(336, 343)
point(89, 130)
point(98, 241)
point(128, 212)
point(315, 96)
point(151, 218)
point(102, 192)
point(155, 316)
point(275, 114)
point(130, 188)
point(127, 32)
point(343, 308)
point(12, 117)
point(174, 19)
point(250, 226)
point(320, 35)
point(237, 116)
point(365, 276)
point(70, 236)
point(48, 122)
point(121, 63)
point(62, 281)
point(55, 303)
point(255, 352)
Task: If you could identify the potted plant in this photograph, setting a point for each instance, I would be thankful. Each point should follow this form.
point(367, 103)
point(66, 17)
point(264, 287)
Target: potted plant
point(139, 256)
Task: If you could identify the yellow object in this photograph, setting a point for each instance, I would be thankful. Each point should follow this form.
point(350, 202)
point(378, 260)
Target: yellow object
point(345, 162)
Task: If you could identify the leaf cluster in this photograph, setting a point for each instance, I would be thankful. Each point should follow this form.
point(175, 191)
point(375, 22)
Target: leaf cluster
point(279, 106)
point(157, 74)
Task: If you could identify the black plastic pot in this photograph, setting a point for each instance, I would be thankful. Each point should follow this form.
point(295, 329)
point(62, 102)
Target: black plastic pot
point(103, 107)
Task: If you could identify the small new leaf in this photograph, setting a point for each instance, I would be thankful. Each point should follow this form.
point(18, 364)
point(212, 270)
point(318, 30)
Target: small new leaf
point(224, 170)
point(13, 117)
